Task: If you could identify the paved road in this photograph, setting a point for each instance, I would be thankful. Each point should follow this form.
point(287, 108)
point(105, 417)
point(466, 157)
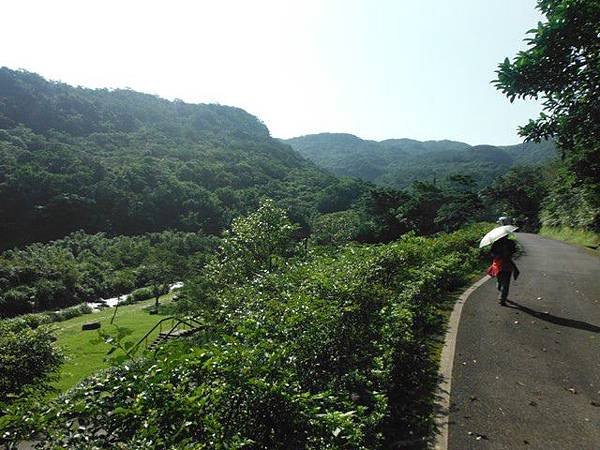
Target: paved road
point(528, 375)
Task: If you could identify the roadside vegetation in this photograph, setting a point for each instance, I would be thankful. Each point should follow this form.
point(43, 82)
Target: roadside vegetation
point(324, 349)
point(584, 238)
point(561, 67)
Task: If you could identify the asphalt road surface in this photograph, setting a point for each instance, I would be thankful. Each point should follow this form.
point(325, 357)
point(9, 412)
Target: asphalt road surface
point(528, 375)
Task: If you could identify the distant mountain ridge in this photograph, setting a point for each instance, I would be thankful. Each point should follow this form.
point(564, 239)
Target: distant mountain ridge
point(400, 162)
point(28, 99)
point(125, 162)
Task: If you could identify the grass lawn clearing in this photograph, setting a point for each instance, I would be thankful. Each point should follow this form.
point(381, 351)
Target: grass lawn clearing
point(84, 357)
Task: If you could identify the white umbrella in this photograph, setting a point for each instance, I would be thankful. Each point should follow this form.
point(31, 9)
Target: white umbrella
point(497, 233)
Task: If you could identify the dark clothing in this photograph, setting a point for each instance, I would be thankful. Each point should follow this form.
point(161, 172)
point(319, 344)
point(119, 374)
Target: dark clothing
point(503, 266)
point(502, 252)
point(503, 279)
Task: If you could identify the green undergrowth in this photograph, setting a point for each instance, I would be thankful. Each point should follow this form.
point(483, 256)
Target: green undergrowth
point(331, 351)
point(584, 238)
point(446, 306)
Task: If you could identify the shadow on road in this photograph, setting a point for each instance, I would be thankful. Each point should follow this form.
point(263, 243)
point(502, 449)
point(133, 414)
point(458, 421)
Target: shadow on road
point(578, 324)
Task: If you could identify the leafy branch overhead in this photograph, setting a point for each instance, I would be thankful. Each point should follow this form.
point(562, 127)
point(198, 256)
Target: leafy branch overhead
point(562, 67)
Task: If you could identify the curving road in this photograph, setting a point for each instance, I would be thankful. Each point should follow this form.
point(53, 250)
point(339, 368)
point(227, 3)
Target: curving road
point(528, 375)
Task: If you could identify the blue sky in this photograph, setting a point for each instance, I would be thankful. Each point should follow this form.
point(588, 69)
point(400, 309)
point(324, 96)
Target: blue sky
point(378, 69)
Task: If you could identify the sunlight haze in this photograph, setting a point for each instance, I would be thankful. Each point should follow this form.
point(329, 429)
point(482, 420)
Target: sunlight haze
point(377, 69)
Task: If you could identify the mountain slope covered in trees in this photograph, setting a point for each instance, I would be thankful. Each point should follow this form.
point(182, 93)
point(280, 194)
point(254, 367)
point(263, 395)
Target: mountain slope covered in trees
point(400, 162)
point(124, 162)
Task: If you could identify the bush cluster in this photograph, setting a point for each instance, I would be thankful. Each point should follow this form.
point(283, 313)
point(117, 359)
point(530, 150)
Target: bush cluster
point(28, 356)
point(140, 294)
point(34, 320)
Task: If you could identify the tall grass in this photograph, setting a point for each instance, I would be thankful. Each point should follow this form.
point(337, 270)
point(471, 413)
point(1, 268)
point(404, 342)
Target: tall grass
point(572, 235)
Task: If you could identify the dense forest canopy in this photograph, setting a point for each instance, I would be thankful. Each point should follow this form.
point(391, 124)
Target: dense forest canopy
point(82, 267)
point(400, 162)
point(29, 99)
point(124, 162)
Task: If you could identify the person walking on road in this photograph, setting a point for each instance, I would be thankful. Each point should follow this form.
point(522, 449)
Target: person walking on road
point(503, 267)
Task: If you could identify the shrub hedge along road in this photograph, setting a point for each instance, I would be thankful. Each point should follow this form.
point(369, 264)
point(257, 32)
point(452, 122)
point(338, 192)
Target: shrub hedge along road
point(328, 350)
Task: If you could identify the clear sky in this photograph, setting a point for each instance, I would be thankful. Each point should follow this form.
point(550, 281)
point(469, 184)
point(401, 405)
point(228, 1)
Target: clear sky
point(375, 68)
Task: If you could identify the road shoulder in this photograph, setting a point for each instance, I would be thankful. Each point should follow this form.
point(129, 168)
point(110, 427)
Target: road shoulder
point(445, 370)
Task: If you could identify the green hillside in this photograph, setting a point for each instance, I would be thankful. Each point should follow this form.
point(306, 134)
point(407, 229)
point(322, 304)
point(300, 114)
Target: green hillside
point(400, 162)
point(123, 162)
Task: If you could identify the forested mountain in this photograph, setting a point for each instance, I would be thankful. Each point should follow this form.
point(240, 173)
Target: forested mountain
point(123, 162)
point(400, 162)
point(318, 344)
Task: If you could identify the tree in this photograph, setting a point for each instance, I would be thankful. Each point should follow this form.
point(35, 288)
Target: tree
point(336, 228)
point(379, 220)
point(463, 203)
point(520, 194)
point(433, 207)
point(562, 66)
point(339, 196)
point(160, 271)
point(420, 210)
point(568, 203)
point(253, 242)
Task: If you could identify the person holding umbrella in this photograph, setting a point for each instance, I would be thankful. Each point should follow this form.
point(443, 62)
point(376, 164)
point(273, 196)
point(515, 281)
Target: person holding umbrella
point(502, 251)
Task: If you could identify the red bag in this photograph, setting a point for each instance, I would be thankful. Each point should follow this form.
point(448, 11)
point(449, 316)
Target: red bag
point(495, 268)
